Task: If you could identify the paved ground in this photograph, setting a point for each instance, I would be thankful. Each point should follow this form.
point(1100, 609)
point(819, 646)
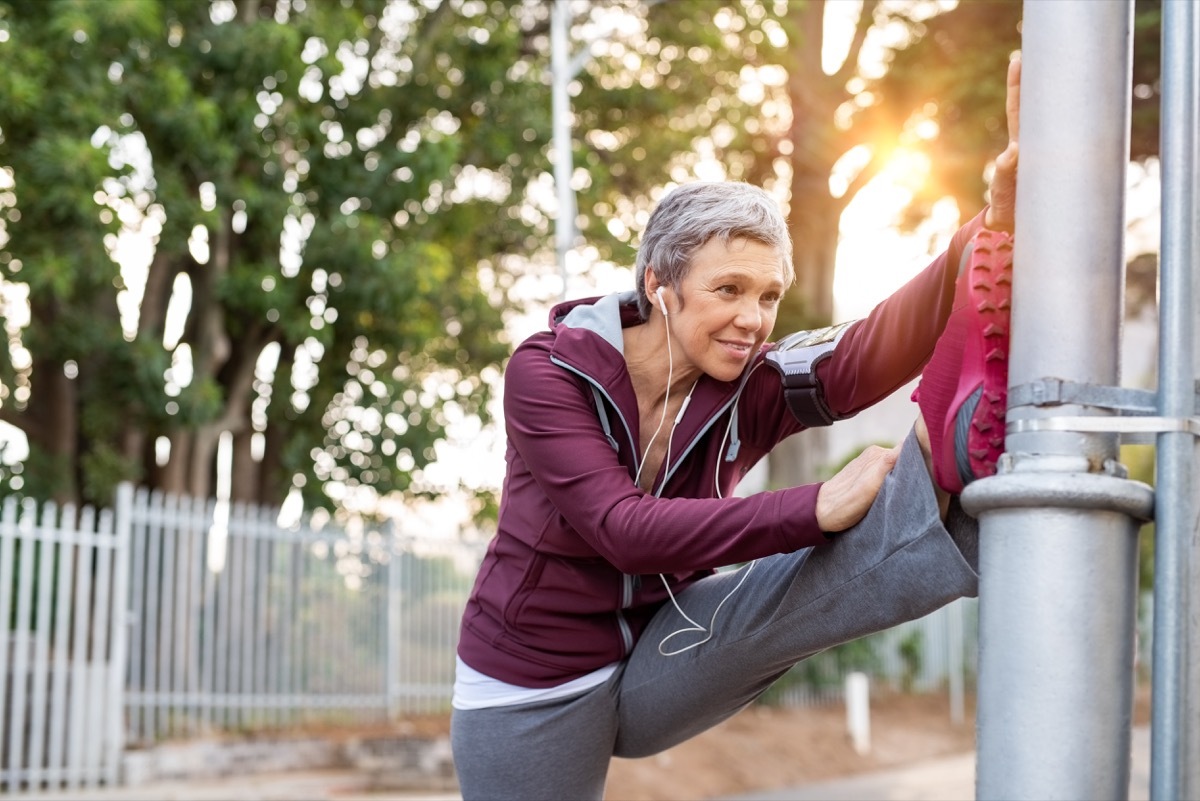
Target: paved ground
point(946, 779)
point(326, 785)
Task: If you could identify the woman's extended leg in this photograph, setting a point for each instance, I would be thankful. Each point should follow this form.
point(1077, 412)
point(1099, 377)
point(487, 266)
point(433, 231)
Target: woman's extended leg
point(898, 564)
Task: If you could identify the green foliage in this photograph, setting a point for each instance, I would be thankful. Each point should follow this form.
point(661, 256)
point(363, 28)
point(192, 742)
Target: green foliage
point(41, 475)
point(827, 669)
point(348, 133)
point(1147, 69)
point(954, 76)
point(911, 650)
point(104, 467)
point(831, 470)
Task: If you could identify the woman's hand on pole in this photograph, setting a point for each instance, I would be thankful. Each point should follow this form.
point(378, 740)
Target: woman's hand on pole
point(1001, 213)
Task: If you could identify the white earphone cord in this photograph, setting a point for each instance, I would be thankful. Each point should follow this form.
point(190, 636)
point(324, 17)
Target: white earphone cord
point(708, 632)
point(637, 479)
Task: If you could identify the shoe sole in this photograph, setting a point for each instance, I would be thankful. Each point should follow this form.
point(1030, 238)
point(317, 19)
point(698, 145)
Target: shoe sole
point(989, 283)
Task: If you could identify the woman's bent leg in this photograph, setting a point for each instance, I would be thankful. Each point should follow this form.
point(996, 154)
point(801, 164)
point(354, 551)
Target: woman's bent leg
point(549, 750)
point(898, 564)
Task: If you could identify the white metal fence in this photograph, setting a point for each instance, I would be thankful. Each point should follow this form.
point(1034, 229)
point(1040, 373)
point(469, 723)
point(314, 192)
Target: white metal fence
point(62, 646)
point(229, 622)
point(241, 624)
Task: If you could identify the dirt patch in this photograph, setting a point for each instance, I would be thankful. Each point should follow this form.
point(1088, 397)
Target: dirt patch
point(768, 748)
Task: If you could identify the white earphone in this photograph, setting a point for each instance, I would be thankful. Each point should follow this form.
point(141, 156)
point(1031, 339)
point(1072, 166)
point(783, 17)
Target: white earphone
point(694, 627)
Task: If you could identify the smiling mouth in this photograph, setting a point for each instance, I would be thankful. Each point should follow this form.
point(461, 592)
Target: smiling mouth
point(742, 348)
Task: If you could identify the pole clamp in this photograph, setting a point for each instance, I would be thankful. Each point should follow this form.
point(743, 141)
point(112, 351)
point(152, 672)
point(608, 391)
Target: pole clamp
point(1135, 409)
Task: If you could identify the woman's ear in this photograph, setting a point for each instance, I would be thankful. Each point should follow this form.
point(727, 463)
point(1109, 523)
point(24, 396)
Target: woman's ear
point(651, 282)
point(654, 291)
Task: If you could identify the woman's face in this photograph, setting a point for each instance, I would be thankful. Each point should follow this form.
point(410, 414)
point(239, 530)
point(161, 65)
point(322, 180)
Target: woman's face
point(726, 306)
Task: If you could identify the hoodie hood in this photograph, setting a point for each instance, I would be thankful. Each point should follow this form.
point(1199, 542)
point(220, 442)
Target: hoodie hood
point(604, 316)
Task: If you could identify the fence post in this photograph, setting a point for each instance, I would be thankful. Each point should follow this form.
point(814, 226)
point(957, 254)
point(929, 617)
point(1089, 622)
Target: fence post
point(8, 539)
point(391, 663)
point(120, 632)
point(27, 536)
point(955, 667)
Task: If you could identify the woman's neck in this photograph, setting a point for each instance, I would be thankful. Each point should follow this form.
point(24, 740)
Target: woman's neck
point(651, 365)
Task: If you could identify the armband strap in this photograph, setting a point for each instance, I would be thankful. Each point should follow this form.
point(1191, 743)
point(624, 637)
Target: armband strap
point(796, 357)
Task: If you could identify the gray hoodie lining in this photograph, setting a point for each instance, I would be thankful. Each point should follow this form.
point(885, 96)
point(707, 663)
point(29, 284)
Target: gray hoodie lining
point(602, 318)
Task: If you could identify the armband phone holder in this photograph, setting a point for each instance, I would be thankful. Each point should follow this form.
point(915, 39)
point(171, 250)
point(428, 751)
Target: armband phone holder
point(795, 358)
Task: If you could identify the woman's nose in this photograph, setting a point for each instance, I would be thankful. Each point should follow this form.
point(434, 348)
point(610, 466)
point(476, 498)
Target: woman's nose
point(749, 316)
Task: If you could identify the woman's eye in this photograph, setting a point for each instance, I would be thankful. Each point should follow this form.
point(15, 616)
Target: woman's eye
point(728, 289)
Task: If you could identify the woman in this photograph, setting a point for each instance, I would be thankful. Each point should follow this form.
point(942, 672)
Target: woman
point(597, 626)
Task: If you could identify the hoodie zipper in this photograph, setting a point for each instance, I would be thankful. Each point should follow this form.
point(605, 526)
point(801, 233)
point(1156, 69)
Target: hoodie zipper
point(627, 587)
point(630, 583)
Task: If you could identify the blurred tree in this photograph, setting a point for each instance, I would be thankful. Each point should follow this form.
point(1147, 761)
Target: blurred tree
point(952, 79)
point(323, 193)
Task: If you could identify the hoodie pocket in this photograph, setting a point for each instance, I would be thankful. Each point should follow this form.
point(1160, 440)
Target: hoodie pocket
point(529, 585)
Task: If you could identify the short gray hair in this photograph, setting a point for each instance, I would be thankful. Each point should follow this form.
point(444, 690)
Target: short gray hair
point(692, 214)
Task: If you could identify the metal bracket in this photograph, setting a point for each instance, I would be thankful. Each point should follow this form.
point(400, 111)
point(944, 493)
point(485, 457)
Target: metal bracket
point(1108, 425)
point(1135, 409)
point(1057, 392)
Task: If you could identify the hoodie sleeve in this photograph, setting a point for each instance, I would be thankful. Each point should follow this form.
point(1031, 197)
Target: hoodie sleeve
point(556, 440)
point(890, 347)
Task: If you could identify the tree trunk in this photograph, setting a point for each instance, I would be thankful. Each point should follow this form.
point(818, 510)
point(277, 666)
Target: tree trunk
point(133, 445)
point(63, 430)
point(814, 214)
point(814, 231)
point(202, 462)
point(272, 482)
point(171, 478)
point(244, 481)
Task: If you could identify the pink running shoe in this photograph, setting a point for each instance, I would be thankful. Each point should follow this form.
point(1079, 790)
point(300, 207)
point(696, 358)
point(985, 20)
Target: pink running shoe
point(964, 388)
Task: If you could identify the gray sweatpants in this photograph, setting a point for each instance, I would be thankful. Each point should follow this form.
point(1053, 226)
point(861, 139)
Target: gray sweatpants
point(899, 563)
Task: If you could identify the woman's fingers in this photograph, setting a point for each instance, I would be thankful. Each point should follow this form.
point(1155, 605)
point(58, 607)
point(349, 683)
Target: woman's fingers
point(1012, 101)
point(844, 499)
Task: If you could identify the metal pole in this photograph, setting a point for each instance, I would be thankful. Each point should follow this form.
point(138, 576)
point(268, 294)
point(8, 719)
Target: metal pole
point(1172, 774)
point(1059, 522)
point(561, 74)
point(1191, 732)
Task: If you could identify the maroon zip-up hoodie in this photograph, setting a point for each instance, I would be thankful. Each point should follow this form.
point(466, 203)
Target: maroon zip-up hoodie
point(571, 578)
